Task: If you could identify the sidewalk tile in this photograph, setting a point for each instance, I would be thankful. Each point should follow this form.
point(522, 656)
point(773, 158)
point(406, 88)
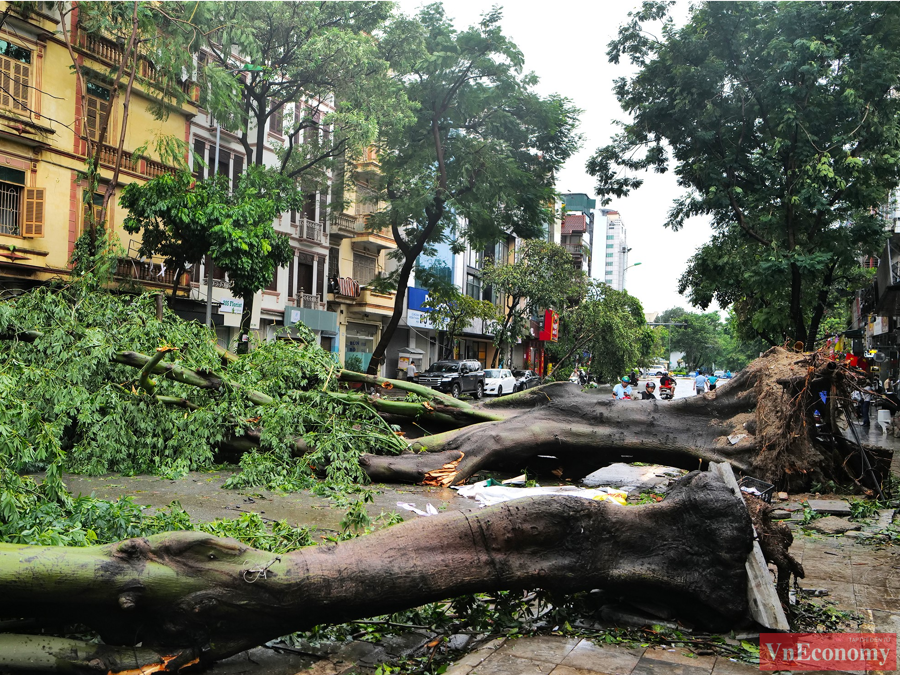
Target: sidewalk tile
point(725, 666)
point(872, 597)
point(681, 656)
point(615, 660)
point(653, 667)
point(565, 670)
point(507, 664)
point(830, 569)
point(546, 648)
point(464, 665)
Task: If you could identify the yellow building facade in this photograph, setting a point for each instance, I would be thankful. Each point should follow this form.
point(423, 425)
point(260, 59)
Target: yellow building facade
point(43, 124)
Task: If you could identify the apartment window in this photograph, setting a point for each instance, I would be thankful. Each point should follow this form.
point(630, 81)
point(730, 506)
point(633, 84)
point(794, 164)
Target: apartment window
point(15, 73)
point(610, 237)
point(10, 199)
point(97, 107)
point(306, 269)
point(473, 286)
point(610, 246)
point(199, 151)
point(610, 255)
point(238, 170)
point(224, 165)
point(21, 208)
point(334, 262)
point(273, 285)
point(96, 206)
point(363, 268)
point(609, 264)
point(276, 121)
point(475, 259)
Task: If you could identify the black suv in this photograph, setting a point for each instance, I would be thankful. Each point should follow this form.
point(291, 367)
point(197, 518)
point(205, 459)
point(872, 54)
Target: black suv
point(525, 379)
point(454, 377)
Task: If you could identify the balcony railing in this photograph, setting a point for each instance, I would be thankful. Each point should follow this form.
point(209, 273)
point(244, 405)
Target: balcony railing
point(308, 301)
point(574, 249)
point(109, 51)
point(108, 158)
point(361, 228)
point(145, 167)
point(100, 47)
point(217, 283)
point(154, 169)
point(310, 230)
point(129, 268)
point(344, 225)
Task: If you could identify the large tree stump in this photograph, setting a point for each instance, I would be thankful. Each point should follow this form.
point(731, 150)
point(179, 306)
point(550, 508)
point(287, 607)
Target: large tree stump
point(187, 596)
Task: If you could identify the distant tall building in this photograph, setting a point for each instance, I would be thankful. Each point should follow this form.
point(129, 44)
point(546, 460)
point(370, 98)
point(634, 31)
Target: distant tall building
point(615, 256)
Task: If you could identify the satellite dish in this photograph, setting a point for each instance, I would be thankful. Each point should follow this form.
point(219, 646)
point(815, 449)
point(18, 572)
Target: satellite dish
point(879, 357)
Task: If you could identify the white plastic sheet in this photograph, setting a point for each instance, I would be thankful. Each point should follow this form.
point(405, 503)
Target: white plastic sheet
point(487, 495)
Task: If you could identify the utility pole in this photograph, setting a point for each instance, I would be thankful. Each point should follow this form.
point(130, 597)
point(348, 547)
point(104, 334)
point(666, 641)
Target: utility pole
point(209, 272)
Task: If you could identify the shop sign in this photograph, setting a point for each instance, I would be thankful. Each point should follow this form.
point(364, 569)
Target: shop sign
point(880, 325)
point(231, 306)
point(419, 319)
point(550, 332)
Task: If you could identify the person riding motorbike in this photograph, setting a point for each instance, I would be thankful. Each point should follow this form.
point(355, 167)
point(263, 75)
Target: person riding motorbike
point(666, 380)
point(666, 386)
point(648, 394)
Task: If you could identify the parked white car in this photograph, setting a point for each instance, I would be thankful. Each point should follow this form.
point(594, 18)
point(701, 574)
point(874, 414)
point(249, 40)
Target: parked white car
point(499, 381)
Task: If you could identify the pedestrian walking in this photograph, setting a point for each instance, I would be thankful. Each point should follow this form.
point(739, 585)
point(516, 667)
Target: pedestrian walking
point(700, 383)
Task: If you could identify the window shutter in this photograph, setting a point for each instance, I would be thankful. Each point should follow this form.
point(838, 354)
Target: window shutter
point(291, 278)
point(93, 117)
point(33, 225)
point(20, 86)
point(5, 67)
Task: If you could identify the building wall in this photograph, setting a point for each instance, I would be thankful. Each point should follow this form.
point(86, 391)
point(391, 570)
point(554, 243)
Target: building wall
point(44, 143)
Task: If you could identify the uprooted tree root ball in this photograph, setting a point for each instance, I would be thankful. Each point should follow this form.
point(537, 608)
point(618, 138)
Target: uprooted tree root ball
point(769, 422)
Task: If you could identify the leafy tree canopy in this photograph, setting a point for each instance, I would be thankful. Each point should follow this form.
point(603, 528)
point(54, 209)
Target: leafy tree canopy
point(609, 326)
point(325, 56)
point(541, 277)
point(182, 219)
point(780, 121)
point(478, 158)
point(69, 406)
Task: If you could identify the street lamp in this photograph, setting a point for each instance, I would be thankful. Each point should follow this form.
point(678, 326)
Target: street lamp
point(630, 266)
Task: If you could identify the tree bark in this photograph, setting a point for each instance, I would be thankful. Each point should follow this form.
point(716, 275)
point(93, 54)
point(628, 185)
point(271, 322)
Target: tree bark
point(189, 595)
point(761, 422)
point(411, 254)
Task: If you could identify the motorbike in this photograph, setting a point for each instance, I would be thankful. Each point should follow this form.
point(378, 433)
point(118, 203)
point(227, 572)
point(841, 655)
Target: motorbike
point(667, 393)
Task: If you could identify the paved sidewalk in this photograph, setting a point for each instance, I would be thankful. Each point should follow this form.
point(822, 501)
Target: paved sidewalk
point(571, 656)
point(861, 579)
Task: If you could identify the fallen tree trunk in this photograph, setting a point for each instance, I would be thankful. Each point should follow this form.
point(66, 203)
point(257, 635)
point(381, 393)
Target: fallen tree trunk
point(186, 596)
point(762, 423)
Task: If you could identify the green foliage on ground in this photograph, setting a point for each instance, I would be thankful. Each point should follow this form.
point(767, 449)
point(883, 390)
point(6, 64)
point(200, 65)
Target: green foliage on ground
point(66, 406)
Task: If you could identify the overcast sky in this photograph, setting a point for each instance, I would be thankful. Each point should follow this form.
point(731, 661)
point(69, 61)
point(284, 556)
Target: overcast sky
point(564, 43)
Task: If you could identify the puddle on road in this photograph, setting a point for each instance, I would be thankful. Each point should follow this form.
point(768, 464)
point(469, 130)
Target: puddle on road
point(202, 496)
